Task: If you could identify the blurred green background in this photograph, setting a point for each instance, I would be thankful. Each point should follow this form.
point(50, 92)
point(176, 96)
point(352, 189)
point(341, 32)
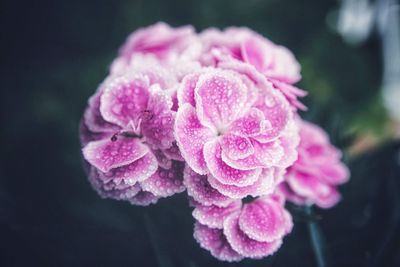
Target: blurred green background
point(54, 55)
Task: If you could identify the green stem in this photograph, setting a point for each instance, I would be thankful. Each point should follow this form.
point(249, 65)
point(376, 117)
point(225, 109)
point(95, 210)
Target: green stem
point(316, 240)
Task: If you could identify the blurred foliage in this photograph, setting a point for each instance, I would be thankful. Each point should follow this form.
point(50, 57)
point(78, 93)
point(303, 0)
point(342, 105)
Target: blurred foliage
point(56, 53)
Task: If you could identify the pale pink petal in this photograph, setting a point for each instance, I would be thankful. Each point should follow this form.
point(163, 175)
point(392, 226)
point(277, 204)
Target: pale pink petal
point(124, 99)
point(214, 241)
point(201, 191)
point(165, 182)
point(224, 173)
point(214, 216)
point(220, 98)
point(108, 154)
point(263, 220)
point(243, 244)
point(236, 147)
point(264, 185)
point(334, 173)
point(191, 136)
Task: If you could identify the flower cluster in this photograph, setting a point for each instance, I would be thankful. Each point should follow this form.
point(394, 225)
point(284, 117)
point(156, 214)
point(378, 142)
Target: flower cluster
point(213, 114)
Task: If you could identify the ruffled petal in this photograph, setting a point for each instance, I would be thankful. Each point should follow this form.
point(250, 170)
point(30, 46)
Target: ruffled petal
point(264, 185)
point(137, 171)
point(158, 128)
point(253, 123)
point(124, 98)
point(214, 241)
point(263, 220)
point(143, 198)
point(243, 244)
point(165, 182)
point(220, 98)
point(107, 154)
point(191, 136)
point(200, 190)
point(214, 216)
point(224, 173)
point(236, 147)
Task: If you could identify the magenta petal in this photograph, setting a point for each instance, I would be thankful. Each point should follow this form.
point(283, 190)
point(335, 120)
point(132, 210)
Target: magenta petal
point(106, 154)
point(252, 123)
point(116, 189)
point(158, 128)
point(162, 159)
point(186, 90)
point(214, 216)
point(165, 182)
point(200, 190)
point(191, 136)
point(137, 171)
point(214, 241)
point(220, 98)
point(312, 188)
point(86, 136)
point(268, 153)
point(173, 152)
point(224, 173)
point(243, 244)
point(277, 112)
point(236, 147)
point(254, 53)
point(263, 220)
point(264, 185)
point(124, 98)
point(92, 117)
point(143, 198)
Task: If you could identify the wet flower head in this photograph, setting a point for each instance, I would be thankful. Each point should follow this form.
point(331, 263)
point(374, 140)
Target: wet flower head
point(213, 114)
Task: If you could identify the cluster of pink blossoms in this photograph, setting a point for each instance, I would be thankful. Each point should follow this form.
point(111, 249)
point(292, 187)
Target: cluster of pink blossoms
point(213, 114)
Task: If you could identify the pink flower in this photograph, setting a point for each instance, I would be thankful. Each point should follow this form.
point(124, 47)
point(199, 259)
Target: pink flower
point(233, 134)
point(160, 41)
point(244, 50)
point(318, 170)
point(127, 133)
point(252, 230)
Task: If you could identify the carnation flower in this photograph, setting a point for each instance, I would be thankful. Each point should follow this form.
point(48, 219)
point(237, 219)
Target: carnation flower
point(244, 50)
point(234, 132)
point(318, 170)
point(214, 114)
point(248, 230)
point(127, 133)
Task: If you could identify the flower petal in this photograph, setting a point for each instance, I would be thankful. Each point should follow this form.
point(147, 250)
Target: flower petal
point(264, 185)
point(191, 136)
point(124, 98)
point(214, 216)
point(263, 220)
point(220, 98)
point(106, 154)
point(243, 244)
point(158, 128)
point(143, 198)
point(224, 173)
point(200, 190)
point(165, 182)
point(214, 241)
point(236, 147)
point(137, 171)
point(252, 123)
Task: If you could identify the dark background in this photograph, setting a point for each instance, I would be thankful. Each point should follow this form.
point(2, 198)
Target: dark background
point(55, 53)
